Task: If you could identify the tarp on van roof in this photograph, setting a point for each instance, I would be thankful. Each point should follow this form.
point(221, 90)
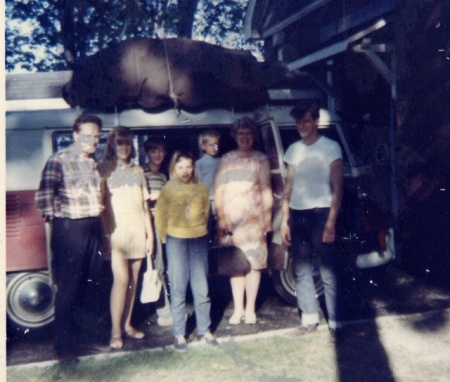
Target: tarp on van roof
point(157, 74)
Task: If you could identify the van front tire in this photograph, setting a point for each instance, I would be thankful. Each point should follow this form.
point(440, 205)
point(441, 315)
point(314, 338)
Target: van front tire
point(284, 284)
point(30, 301)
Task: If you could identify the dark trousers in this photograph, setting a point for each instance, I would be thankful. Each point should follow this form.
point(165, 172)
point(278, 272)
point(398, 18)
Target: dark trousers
point(77, 262)
point(307, 248)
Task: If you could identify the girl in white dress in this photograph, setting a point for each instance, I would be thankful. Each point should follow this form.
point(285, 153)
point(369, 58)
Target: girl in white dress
point(127, 226)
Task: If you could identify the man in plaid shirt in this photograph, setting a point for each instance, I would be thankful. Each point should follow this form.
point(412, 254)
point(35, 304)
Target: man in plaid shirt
point(70, 198)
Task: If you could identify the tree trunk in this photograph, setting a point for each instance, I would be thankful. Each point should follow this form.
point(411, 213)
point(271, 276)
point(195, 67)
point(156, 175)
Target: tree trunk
point(186, 12)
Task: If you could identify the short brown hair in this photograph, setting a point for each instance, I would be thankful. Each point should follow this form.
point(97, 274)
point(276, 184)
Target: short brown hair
point(303, 108)
point(87, 118)
point(154, 143)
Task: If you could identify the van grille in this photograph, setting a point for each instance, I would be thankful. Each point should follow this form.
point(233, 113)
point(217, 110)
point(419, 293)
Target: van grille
point(25, 233)
point(12, 214)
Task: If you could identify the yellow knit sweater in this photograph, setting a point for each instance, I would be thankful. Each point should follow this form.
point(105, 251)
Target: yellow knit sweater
point(175, 202)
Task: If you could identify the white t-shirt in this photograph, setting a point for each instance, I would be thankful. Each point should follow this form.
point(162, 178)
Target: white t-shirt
point(311, 164)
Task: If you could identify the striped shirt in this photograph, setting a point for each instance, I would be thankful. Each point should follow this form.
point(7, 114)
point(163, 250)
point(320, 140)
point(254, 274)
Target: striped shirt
point(70, 186)
point(155, 183)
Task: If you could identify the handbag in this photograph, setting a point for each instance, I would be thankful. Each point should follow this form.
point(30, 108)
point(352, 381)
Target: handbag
point(228, 260)
point(151, 283)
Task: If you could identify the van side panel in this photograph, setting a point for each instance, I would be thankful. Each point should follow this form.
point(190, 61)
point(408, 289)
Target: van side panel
point(25, 233)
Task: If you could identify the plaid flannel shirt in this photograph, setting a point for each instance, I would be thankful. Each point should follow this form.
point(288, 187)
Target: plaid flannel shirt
point(70, 187)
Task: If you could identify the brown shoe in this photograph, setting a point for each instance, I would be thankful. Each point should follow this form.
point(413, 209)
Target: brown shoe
point(335, 335)
point(308, 329)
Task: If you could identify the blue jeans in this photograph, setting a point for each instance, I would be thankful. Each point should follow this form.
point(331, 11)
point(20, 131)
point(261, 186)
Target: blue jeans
point(306, 242)
point(188, 262)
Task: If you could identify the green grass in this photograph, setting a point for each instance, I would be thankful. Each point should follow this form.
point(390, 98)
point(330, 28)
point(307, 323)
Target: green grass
point(392, 349)
point(233, 361)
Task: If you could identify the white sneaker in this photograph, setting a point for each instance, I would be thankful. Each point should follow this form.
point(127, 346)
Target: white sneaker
point(209, 339)
point(180, 343)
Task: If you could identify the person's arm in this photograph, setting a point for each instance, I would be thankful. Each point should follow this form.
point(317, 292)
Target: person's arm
point(50, 180)
point(161, 210)
point(207, 203)
point(336, 178)
point(219, 186)
point(267, 195)
point(106, 215)
point(285, 230)
point(149, 244)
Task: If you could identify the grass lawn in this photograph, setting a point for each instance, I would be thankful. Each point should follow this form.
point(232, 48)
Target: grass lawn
point(406, 348)
point(246, 361)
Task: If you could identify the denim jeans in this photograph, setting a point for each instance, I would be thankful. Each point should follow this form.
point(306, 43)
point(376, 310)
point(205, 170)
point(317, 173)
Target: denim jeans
point(188, 262)
point(307, 247)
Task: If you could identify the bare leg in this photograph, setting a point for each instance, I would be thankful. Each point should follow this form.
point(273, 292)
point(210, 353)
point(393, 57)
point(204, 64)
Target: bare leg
point(134, 267)
point(117, 299)
point(238, 290)
point(252, 280)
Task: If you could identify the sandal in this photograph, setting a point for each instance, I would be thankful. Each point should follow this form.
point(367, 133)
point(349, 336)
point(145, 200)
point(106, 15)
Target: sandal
point(236, 319)
point(116, 343)
point(250, 318)
point(134, 334)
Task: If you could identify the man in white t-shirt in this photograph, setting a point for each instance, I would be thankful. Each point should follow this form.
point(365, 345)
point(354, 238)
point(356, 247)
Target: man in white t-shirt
point(310, 206)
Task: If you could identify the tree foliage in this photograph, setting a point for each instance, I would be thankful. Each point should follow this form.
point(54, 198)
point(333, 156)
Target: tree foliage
point(47, 35)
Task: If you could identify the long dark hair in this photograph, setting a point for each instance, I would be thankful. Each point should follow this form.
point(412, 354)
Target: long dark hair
point(109, 161)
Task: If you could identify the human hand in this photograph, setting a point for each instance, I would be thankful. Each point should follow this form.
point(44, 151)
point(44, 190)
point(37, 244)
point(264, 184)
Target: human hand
point(48, 218)
point(329, 233)
point(154, 195)
point(286, 234)
point(149, 246)
point(267, 226)
point(107, 247)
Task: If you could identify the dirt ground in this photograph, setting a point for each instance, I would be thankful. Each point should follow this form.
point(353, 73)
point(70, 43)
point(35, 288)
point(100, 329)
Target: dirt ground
point(391, 294)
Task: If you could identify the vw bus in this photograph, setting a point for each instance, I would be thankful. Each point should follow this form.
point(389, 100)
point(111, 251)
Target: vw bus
point(365, 236)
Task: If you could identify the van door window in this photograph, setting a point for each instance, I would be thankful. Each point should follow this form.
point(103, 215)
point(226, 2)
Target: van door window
point(274, 151)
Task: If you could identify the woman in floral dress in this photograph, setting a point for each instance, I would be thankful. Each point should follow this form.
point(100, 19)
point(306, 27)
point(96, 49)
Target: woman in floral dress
point(243, 201)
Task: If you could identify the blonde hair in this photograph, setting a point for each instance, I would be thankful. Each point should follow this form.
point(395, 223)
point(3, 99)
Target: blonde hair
point(177, 157)
point(203, 137)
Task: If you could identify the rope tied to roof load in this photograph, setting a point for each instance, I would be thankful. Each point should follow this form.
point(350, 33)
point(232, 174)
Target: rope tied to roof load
point(173, 96)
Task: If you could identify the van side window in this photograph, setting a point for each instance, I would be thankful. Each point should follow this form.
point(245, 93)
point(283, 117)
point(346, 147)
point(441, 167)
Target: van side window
point(63, 139)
